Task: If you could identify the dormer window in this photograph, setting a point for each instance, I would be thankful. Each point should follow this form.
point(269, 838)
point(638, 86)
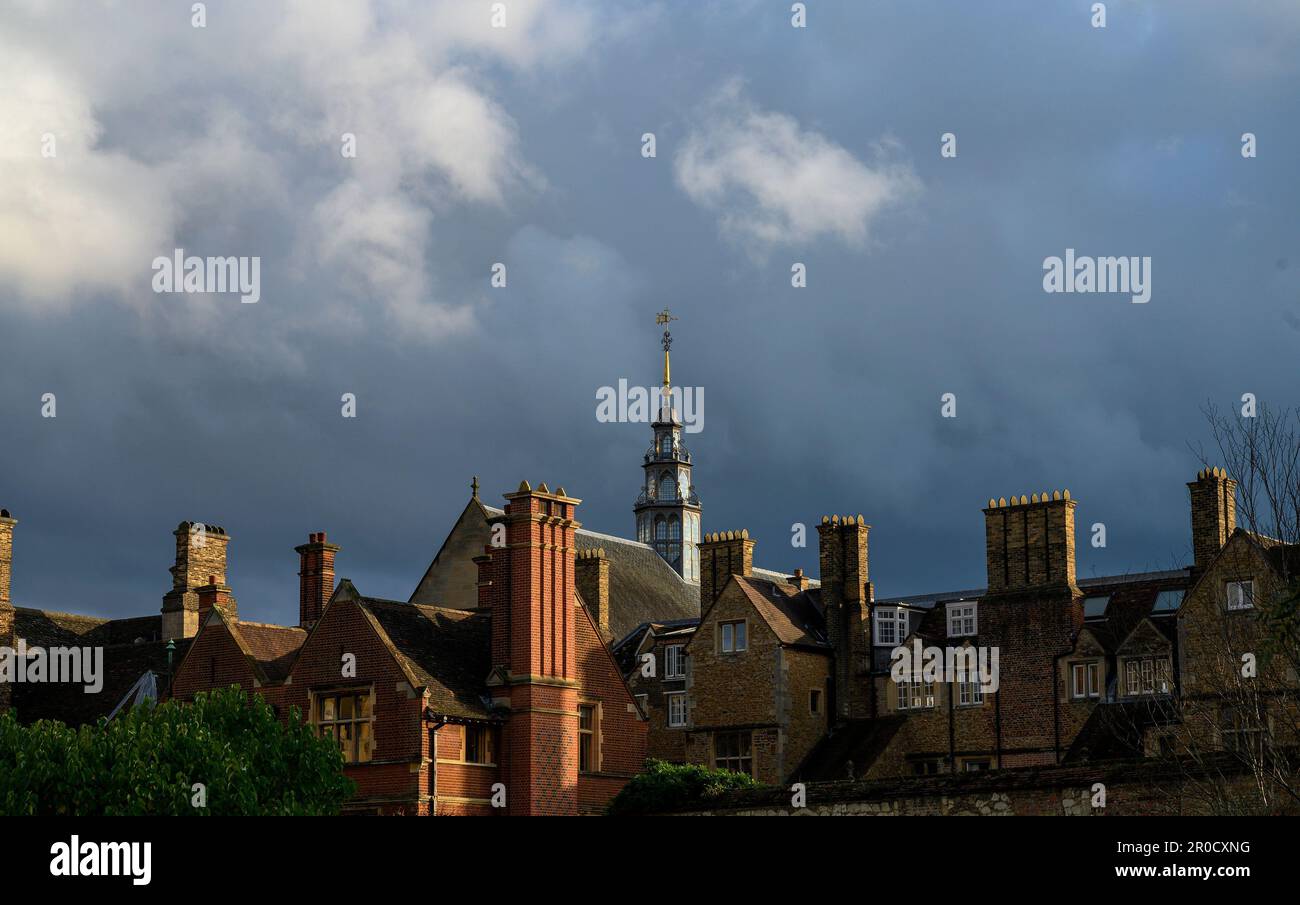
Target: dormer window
point(962, 619)
point(1085, 681)
point(891, 626)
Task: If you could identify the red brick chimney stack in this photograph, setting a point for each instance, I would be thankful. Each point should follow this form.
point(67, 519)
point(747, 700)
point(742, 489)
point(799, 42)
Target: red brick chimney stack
point(315, 577)
point(531, 592)
point(215, 596)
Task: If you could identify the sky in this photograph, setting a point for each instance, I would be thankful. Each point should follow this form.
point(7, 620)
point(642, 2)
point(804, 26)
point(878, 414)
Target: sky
point(524, 145)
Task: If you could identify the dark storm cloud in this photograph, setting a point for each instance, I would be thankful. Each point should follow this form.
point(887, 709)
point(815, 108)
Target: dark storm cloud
point(1122, 141)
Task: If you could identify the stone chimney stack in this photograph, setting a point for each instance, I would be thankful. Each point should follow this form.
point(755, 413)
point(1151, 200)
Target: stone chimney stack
point(7, 523)
point(315, 577)
point(799, 580)
point(847, 595)
point(7, 615)
point(723, 554)
point(200, 556)
point(1029, 542)
point(593, 584)
point(214, 596)
point(1214, 513)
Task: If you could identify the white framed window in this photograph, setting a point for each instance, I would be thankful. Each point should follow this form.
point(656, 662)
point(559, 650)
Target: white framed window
point(1085, 681)
point(970, 694)
point(891, 626)
point(1149, 675)
point(915, 695)
point(734, 637)
point(963, 619)
point(1241, 595)
point(676, 709)
point(675, 661)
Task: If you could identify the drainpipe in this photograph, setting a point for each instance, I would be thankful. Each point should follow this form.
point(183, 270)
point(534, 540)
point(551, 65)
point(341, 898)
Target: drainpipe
point(952, 731)
point(997, 724)
point(438, 723)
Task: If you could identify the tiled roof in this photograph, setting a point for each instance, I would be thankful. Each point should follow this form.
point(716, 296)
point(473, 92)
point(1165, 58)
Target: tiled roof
point(271, 648)
point(445, 650)
point(788, 612)
point(131, 648)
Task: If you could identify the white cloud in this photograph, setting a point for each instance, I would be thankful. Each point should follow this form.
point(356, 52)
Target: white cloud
point(151, 148)
point(771, 181)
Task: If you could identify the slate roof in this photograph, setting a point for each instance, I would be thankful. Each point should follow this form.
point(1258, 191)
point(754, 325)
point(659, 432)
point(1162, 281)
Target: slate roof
point(642, 587)
point(1132, 598)
point(447, 651)
point(131, 647)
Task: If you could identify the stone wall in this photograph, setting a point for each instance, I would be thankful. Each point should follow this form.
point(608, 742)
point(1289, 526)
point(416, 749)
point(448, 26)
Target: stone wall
point(1130, 788)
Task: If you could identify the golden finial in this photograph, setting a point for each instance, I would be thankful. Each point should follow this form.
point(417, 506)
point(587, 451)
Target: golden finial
point(664, 318)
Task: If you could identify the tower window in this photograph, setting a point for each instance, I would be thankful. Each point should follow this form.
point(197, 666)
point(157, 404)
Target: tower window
point(667, 487)
point(666, 445)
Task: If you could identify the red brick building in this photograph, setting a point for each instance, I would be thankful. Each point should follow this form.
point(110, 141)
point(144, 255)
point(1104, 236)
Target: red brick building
point(515, 706)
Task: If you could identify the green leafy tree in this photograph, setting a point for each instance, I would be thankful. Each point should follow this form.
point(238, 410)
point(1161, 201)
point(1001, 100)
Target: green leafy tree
point(223, 754)
point(672, 787)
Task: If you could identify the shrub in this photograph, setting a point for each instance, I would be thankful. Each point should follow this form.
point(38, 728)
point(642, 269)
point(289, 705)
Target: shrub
point(670, 787)
point(148, 759)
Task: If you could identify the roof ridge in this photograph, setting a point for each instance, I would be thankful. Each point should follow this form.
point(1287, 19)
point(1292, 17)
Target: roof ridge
point(291, 628)
point(100, 619)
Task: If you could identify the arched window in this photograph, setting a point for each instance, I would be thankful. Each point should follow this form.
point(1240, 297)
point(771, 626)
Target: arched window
point(661, 528)
point(674, 528)
point(667, 486)
point(666, 445)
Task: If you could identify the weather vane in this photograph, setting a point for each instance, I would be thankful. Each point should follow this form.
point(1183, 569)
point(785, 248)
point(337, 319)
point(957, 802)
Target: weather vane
point(663, 317)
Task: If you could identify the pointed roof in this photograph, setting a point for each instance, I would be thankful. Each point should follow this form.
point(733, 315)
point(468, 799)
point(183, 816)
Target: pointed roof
point(642, 587)
point(445, 651)
point(788, 612)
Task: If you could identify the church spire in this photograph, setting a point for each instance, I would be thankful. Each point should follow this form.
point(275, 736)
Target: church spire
point(668, 509)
